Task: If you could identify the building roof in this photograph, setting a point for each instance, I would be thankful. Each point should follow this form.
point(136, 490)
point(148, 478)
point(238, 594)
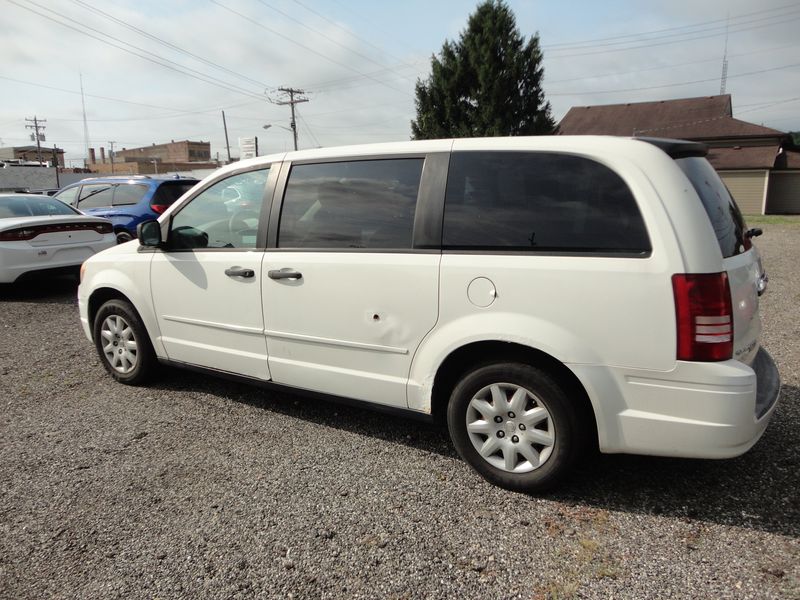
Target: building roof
point(707, 117)
point(744, 157)
point(789, 159)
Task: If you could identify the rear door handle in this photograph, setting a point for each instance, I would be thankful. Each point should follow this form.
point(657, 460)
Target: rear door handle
point(240, 272)
point(285, 273)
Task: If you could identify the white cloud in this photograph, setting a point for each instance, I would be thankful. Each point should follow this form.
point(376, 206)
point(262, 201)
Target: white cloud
point(391, 46)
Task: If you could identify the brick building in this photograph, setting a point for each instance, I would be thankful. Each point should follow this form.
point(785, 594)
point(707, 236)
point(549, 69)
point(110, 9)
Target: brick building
point(30, 154)
point(157, 158)
point(179, 152)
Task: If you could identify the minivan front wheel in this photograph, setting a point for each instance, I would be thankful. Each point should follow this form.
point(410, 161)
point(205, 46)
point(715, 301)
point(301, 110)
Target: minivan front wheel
point(514, 424)
point(122, 343)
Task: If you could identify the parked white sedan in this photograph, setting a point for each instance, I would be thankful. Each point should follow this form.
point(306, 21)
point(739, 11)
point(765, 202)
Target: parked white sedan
point(39, 233)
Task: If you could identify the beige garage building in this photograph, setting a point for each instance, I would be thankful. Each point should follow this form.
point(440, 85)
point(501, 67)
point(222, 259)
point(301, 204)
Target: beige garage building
point(760, 165)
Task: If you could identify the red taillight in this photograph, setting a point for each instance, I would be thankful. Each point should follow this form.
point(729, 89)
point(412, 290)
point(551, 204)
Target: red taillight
point(28, 233)
point(159, 208)
point(704, 316)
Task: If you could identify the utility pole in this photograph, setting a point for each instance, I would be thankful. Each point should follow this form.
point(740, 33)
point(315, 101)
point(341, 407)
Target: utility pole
point(55, 164)
point(227, 144)
point(111, 155)
point(38, 137)
point(292, 92)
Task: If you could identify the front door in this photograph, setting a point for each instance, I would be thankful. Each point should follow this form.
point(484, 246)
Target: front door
point(347, 300)
point(206, 284)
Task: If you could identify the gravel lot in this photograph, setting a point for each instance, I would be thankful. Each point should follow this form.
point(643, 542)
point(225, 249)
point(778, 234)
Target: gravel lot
point(197, 487)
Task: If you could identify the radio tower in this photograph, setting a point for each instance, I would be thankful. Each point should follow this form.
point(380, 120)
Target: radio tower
point(724, 79)
point(85, 125)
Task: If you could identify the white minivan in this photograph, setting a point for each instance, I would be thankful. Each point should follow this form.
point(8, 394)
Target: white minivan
point(543, 294)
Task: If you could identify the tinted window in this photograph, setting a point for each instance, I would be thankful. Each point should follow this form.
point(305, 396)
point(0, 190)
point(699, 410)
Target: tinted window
point(356, 204)
point(224, 215)
point(129, 194)
point(536, 201)
point(96, 195)
point(169, 191)
point(32, 206)
point(69, 196)
point(722, 211)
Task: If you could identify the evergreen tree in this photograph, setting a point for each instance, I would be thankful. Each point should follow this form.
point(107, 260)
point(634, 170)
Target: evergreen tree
point(488, 83)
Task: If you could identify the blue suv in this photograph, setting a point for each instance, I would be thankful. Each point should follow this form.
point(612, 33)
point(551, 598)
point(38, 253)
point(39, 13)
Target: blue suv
point(126, 200)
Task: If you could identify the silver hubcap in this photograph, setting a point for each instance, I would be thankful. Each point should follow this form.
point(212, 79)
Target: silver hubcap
point(119, 344)
point(510, 428)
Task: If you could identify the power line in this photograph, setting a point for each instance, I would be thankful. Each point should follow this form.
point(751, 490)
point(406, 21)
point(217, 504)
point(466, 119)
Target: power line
point(322, 34)
point(369, 21)
point(307, 48)
point(350, 33)
point(688, 39)
point(308, 129)
point(592, 42)
point(764, 105)
point(170, 45)
point(168, 64)
point(667, 85)
point(178, 112)
point(670, 66)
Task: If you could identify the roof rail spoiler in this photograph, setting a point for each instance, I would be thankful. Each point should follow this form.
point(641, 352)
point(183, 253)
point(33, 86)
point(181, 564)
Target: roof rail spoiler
point(677, 148)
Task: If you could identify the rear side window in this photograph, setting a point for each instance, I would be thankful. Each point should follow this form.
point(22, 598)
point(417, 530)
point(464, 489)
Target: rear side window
point(69, 195)
point(96, 195)
point(129, 194)
point(538, 202)
point(722, 211)
point(353, 204)
point(169, 191)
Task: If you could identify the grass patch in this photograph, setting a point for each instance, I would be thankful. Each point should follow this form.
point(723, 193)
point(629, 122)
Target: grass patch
point(755, 220)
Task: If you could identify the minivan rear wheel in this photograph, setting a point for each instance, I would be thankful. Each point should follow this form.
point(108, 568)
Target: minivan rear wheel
point(514, 424)
point(123, 344)
point(123, 236)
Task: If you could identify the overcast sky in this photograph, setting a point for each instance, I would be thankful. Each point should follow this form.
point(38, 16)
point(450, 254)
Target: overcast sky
point(155, 71)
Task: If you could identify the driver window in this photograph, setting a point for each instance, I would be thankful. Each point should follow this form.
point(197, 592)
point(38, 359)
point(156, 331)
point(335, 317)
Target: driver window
point(224, 215)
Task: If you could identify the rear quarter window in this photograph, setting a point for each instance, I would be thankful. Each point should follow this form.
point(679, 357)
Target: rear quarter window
point(539, 201)
point(722, 211)
point(169, 191)
point(125, 194)
point(96, 195)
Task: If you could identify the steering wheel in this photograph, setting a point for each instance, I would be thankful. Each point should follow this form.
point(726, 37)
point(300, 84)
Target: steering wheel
point(237, 224)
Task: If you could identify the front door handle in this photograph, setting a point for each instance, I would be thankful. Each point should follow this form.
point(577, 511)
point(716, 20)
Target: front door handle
point(240, 272)
point(285, 273)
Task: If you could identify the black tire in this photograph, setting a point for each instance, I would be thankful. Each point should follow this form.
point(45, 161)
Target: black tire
point(123, 236)
point(562, 425)
point(133, 366)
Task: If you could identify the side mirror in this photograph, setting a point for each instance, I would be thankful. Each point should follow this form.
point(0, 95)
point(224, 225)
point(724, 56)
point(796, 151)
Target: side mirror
point(149, 234)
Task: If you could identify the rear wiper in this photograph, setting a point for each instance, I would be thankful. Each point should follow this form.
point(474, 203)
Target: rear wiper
point(90, 194)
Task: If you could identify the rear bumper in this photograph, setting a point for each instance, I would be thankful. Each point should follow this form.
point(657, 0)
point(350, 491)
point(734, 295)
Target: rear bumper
point(697, 410)
point(17, 259)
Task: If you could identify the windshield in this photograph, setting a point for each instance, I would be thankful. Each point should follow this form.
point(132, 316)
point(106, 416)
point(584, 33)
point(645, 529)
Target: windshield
point(33, 206)
point(720, 206)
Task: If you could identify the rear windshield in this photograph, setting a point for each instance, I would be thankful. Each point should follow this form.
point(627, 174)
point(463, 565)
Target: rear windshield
point(33, 206)
point(720, 206)
point(169, 191)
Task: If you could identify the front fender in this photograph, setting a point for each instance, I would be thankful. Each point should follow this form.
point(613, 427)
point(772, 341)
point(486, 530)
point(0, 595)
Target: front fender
point(133, 282)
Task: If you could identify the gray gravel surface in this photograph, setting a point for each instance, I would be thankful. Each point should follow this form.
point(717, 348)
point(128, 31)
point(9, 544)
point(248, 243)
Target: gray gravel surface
point(197, 487)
